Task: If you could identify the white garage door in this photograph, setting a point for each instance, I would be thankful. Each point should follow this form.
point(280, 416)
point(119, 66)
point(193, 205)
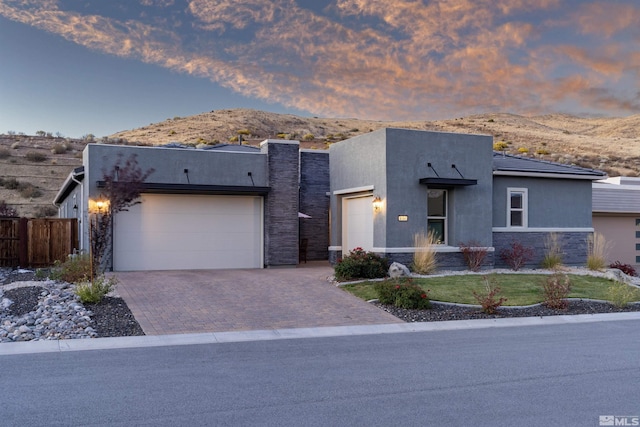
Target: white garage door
point(180, 232)
point(357, 223)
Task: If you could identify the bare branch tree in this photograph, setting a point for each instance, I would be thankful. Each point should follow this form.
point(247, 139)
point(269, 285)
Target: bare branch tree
point(122, 186)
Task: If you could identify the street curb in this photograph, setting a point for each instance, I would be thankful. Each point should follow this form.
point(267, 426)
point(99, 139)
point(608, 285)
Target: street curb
point(61, 346)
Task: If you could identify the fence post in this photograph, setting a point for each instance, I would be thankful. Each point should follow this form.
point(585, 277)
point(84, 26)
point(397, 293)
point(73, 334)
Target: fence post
point(23, 249)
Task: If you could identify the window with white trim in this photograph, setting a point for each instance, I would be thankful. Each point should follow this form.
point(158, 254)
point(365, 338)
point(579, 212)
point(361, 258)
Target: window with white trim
point(437, 214)
point(517, 207)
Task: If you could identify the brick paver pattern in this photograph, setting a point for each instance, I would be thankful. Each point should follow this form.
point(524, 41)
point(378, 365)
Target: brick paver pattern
point(184, 301)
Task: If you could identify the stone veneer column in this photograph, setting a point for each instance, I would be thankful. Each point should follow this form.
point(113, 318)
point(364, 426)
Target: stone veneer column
point(281, 204)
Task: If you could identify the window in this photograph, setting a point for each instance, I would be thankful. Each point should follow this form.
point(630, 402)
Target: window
point(437, 215)
point(517, 207)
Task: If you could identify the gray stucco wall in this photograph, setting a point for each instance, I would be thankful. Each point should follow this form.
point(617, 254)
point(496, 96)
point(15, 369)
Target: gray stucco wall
point(408, 155)
point(206, 167)
point(281, 204)
point(552, 202)
point(393, 161)
point(353, 163)
point(314, 201)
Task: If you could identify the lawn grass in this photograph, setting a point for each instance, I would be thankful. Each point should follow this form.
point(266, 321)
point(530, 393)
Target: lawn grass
point(519, 289)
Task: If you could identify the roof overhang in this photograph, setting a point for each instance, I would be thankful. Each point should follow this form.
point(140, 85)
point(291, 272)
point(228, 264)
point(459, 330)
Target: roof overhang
point(73, 179)
point(164, 188)
point(547, 175)
point(447, 182)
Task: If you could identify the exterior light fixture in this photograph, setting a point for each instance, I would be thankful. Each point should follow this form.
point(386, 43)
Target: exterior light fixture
point(377, 204)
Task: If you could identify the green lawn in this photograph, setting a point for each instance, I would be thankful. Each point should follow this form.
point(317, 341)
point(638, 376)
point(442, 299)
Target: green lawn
point(519, 289)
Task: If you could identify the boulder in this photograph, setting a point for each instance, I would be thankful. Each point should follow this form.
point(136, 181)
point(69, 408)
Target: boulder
point(398, 270)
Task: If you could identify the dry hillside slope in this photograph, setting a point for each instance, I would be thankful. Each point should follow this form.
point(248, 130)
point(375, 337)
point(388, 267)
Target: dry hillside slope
point(609, 144)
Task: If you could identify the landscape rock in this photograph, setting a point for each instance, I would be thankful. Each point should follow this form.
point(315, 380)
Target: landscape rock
point(398, 270)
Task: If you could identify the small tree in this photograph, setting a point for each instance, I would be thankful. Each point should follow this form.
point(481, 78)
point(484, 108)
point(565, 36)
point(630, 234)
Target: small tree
point(122, 186)
point(6, 210)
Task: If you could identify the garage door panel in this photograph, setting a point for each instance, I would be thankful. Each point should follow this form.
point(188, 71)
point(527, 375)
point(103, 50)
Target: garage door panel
point(167, 232)
point(357, 223)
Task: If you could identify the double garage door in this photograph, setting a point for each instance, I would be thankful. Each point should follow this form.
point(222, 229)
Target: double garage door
point(180, 232)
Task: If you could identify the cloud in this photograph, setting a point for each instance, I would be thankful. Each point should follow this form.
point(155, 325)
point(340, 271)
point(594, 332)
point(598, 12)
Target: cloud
point(380, 59)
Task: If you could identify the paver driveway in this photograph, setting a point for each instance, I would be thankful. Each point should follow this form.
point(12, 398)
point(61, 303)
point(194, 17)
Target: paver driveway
point(175, 302)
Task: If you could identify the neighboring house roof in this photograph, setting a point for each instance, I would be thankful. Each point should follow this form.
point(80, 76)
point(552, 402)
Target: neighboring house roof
point(75, 177)
point(616, 195)
point(232, 147)
point(509, 165)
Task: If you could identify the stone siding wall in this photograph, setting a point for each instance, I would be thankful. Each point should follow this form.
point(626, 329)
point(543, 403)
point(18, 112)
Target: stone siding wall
point(281, 204)
point(314, 201)
point(574, 246)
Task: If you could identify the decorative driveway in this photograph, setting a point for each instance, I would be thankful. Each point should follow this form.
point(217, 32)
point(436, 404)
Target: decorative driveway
point(184, 301)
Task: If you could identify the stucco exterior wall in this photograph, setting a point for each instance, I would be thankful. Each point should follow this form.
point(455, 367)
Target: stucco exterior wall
point(469, 208)
point(622, 232)
point(389, 163)
point(356, 163)
point(557, 203)
point(205, 167)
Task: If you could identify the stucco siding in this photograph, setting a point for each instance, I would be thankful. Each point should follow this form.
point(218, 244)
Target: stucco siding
point(552, 203)
point(622, 233)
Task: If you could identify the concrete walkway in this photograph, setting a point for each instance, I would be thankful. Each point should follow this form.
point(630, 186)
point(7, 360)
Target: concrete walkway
point(179, 302)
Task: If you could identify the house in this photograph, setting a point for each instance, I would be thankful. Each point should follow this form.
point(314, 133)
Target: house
point(457, 187)
point(226, 207)
point(616, 215)
point(234, 206)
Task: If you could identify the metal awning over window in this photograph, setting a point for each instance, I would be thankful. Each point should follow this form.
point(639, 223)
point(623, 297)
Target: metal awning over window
point(447, 182)
point(444, 183)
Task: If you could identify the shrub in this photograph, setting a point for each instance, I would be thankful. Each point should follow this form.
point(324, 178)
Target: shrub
point(75, 269)
point(500, 146)
point(523, 150)
point(516, 256)
point(556, 289)
point(93, 292)
point(402, 293)
point(488, 299)
point(308, 137)
point(35, 156)
point(625, 268)
point(620, 294)
point(474, 254)
point(11, 183)
point(6, 210)
point(59, 149)
point(424, 259)
point(46, 212)
point(360, 264)
point(598, 248)
point(4, 153)
point(553, 252)
point(29, 191)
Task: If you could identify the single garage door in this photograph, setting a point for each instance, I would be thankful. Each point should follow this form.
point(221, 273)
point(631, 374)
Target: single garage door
point(180, 232)
point(357, 223)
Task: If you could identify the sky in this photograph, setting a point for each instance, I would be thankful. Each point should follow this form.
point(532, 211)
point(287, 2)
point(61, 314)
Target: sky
point(76, 67)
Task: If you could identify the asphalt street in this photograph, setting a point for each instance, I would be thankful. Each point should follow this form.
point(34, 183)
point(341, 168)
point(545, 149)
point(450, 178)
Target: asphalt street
point(550, 375)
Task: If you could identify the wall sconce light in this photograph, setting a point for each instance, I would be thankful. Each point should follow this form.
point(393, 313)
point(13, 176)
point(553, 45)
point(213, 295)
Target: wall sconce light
point(377, 204)
point(98, 206)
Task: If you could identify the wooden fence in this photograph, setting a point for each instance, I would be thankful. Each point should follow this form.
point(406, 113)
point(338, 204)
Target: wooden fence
point(27, 242)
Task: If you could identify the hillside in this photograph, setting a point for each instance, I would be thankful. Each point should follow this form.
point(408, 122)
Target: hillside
point(32, 168)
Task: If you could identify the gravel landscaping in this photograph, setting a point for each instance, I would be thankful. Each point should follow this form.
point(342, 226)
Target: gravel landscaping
point(35, 309)
point(442, 311)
